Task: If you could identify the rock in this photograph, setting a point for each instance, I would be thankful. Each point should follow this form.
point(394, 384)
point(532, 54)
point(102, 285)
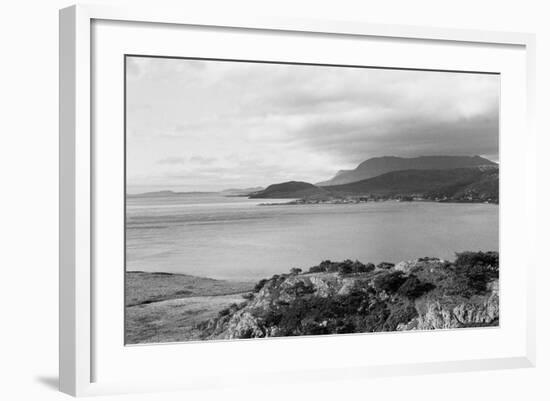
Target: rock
point(330, 302)
point(412, 325)
point(244, 325)
point(351, 284)
point(477, 312)
point(326, 285)
point(404, 266)
point(493, 286)
point(410, 266)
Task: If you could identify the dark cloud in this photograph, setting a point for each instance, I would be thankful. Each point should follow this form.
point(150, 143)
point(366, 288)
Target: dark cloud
point(405, 136)
point(252, 124)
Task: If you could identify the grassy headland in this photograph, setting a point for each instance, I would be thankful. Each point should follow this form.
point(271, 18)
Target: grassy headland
point(166, 307)
point(145, 288)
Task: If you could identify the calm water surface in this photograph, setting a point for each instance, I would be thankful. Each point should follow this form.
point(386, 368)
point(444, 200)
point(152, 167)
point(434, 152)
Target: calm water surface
point(233, 238)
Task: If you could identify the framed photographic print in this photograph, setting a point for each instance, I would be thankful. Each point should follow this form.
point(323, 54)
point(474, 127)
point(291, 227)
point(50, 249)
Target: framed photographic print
point(354, 199)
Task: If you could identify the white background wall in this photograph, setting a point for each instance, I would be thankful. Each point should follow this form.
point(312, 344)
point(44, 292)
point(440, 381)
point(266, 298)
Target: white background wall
point(29, 185)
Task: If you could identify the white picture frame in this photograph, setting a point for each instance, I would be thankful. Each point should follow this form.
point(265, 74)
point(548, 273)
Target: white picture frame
point(78, 350)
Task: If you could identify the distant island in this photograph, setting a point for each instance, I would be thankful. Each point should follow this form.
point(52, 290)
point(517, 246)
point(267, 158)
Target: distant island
point(329, 298)
point(165, 193)
point(436, 179)
point(240, 191)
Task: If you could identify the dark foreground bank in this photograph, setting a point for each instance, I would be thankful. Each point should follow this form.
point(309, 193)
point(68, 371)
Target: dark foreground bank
point(330, 298)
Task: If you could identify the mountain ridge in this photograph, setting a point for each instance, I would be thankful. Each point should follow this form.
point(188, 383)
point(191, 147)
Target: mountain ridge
point(385, 164)
point(475, 184)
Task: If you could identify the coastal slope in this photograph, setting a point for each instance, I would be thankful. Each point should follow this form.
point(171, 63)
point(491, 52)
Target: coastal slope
point(381, 165)
point(290, 189)
point(481, 182)
point(167, 307)
point(329, 298)
point(474, 184)
point(350, 297)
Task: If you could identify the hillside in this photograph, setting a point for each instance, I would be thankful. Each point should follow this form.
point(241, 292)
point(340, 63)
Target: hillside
point(382, 165)
point(479, 184)
point(452, 184)
point(165, 307)
point(291, 189)
point(143, 288)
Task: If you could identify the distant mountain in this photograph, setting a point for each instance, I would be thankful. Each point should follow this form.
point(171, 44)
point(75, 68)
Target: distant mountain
point(166, 193)
point(474, 184)
point(454, 184)
point(152, 194)
point(386, 164)
point(291, 189)
point(241, 191)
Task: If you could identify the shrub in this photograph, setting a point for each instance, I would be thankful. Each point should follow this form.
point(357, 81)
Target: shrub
point(404, 315)
point(248, 296)
point(478, 278)
point(326, 265)
point(345, 267)
point(317, 315)
point(413, 288)
point(260, 285)
point(333, 268)
point(231, 309)
point(300, 289)
point(359, 267)
point(344, 327)
point(316, 269)
point(224, 312)
point(295, 271)
point(469, 259)
point(370, 267)
point(375, 319)
point(474, 270)
point(385, 265)
point(389, 282)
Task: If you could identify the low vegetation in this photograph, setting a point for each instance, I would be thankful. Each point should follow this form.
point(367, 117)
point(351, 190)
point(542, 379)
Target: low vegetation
point(353, 297)
point(346, 267)
point(329, 298)
point(144, 288)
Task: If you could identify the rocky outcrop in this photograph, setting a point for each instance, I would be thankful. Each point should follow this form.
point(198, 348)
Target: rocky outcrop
point(468, 313)
point(410, 266)
point(420, 294)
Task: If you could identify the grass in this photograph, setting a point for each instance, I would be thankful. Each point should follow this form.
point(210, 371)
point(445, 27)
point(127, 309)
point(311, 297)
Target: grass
point(166, 307)
point(175, 319)
point(145, 288)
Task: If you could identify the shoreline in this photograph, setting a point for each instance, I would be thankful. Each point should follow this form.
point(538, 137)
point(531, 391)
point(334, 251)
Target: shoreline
point(301, 202)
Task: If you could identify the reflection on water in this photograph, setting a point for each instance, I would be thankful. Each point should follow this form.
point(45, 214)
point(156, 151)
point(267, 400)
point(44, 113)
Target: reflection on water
point(232, 237)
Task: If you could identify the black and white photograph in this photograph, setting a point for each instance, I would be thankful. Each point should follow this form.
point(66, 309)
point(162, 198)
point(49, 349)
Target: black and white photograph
point(268, 199)
point(298, 200)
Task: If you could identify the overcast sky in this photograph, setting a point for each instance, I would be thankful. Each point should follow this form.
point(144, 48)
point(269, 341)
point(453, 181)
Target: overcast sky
point(210, 125)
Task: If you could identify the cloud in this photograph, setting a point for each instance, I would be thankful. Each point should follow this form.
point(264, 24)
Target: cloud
point(195, 159)
point(254, 123)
